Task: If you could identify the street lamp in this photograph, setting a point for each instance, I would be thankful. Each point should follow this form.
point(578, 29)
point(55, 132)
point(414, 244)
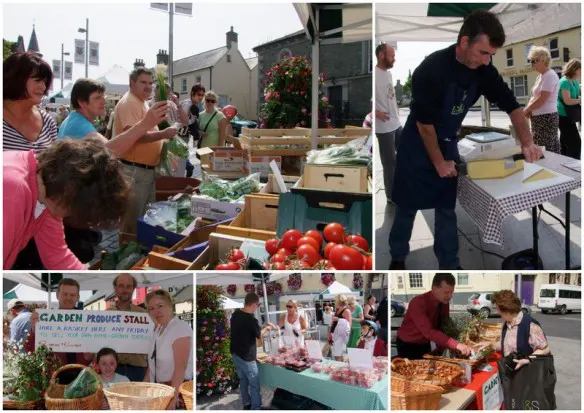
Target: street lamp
point(86, 31)
point(63, 53)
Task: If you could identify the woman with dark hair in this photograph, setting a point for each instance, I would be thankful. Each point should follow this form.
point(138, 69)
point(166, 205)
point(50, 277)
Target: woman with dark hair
point(79, 180)
point(569, 99)
point(369, 308)
point(25, 126)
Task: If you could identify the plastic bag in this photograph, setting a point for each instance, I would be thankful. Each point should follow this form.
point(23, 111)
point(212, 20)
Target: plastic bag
point(173, 150)
point(86, 384)
point(229, 191)
point(164, 214)
point(356, 152)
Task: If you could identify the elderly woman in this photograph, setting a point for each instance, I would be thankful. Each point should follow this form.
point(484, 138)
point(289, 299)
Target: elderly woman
point(294, 324)
point(78, 180)
point(356, 318)
point(543, 105)
point(170, 360)
point(340, 328)
point(521, 333)
point(569, 96)
point(213, 122)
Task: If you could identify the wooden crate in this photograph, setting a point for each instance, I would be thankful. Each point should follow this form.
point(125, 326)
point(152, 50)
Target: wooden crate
point(272, 186)
point(341, 136)
point(219, 244)
point(335, 178)
point(252, 139)
point(258, 220)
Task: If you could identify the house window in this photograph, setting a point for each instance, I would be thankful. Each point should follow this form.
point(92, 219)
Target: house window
point(416, 280)
point(462, 279)
point(519, 86)
point(228, 58)
point(183, 87)
point(528, 47)
point(400, 282)
point(198, 79)
point(554, 48)
point(367, 57)
point(509, 57)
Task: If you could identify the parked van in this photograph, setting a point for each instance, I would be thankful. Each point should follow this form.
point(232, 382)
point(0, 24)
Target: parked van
point(560, 297)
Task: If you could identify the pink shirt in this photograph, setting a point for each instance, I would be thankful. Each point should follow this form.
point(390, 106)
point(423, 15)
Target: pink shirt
point(20, 225)
point(537, 339)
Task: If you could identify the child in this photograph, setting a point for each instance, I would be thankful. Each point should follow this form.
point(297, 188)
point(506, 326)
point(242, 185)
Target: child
point(107, 363)
point(368, 335)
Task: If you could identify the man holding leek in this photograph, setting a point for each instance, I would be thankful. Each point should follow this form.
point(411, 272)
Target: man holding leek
point(141, 159)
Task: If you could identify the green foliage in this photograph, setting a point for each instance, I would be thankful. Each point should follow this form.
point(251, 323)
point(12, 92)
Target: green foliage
point(288, 96)
point(462, 326)
point(408, 85)
point(85, 384)
point(7, 46)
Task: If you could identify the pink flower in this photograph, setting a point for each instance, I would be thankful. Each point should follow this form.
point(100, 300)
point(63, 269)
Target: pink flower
point(325, 99)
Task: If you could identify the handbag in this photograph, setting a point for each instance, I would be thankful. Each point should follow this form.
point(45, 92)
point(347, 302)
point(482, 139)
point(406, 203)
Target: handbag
point(574, 112)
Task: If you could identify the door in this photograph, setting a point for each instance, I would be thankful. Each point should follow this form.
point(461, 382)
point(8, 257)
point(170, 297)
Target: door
point(527, 288)
point(336, 100)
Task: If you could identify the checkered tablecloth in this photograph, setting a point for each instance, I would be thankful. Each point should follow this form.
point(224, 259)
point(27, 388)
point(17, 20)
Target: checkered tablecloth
point(488, 212)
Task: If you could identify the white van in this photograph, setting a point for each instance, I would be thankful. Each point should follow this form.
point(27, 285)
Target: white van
point(560, 297)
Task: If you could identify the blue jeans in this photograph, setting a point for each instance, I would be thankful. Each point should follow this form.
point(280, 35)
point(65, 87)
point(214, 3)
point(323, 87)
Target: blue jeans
point(249, 382)
point(445, 236)
point(133, 373)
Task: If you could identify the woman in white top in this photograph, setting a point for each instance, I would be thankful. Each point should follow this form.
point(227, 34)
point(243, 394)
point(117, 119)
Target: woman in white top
point(293, 324)
point(341, 327)
point(543, 105)
point(170, 360)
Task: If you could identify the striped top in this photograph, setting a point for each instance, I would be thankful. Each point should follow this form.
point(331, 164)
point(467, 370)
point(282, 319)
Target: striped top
point(12, 140)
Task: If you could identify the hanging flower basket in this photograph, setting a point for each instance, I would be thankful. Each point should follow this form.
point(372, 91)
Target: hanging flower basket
point(327, 279)
point(231, 289)
point(295, 281)
point(357, 281)
point(249, 288)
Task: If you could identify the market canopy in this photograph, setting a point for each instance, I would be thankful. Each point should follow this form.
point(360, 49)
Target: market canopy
point(229, 304)
point(237, 279)
point(90, 281)
point(335, 289)
point(30, 295)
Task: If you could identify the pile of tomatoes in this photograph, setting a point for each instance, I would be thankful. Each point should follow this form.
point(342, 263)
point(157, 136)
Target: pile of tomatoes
point(341, 251)
point(236, 261)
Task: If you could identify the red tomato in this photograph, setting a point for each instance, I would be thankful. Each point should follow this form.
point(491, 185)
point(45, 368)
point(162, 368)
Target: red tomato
point(235, 255)
point(278, 258)
point(308, 253)
point(290, 239)
point(343, 257)
point(367, 262)
point(334, 232)
point(278, 266)
point(228, 266)
point(285, 252)
point(272, 245)
point(327, 249)
point(358, 241)
point(309, 241)
point(316, 235)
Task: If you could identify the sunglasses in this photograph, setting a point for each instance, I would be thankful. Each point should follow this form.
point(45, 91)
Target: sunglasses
point(289, 306)
point(533, 61)
point(210, 101)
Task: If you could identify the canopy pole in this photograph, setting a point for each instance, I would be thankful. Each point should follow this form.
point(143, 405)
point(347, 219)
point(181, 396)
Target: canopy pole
point(485, 112)
point(49, 291)
point(315, 79)
point(265, 299)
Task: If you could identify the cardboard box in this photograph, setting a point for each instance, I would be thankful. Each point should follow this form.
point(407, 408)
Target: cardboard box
point(223, 159)
point(215, 210)
point(261, 164)
point(493, 168)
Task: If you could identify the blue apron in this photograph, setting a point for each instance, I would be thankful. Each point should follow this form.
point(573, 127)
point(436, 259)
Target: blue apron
point(417, 185)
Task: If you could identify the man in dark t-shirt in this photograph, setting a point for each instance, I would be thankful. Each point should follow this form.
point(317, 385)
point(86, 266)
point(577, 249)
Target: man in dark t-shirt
point(444, 87)
point(245, 331)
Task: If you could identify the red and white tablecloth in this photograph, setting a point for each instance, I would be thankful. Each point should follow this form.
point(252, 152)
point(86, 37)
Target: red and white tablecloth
point(487, 208)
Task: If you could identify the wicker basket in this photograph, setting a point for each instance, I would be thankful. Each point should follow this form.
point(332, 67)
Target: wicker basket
point(21, 405)
point(54, 399)
point(412, 395)
point(491, 332)
point(186, 390)
point(454, 371)
point(434, 356)
point(139, 396)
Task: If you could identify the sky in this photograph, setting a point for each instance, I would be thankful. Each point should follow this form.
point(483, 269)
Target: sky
point(409, 55)
point(129, 31)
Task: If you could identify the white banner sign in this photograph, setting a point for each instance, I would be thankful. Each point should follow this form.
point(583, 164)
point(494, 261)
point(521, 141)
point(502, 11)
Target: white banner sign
point(492, 393)
point(89, 331)
point(183, 8)
point(57, 69)
point(69, 70)
point(79, 51)
point(94, 53)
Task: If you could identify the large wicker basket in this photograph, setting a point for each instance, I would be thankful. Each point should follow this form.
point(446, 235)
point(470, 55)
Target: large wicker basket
point(54, 398)
point(491, 332)
point(186, 390)
point(139, 396)
point(21, 405)
point(400, 366)
point(412, 395)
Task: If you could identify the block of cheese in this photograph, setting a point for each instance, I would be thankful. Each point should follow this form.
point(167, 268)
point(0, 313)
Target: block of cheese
point(493, 168)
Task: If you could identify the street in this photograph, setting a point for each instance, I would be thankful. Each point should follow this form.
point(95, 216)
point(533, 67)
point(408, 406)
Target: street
point(564, 337)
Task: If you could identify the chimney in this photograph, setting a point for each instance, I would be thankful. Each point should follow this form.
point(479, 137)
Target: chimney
point(231, 38)
point(139, 63)
point(162, 57)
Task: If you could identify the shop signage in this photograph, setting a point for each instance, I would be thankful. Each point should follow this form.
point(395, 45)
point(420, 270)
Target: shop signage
point(89, 331)
point(516, 72)
point(492, 393)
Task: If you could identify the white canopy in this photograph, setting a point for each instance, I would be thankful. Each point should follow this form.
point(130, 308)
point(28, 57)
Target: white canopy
point(237, 279)
point(335, 289)
point(229, 304)
point(30, 295)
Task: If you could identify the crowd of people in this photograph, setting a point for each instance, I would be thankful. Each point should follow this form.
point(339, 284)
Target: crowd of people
point(169, 361)
point(70, 180)
point(245, 331)
point(420, 159)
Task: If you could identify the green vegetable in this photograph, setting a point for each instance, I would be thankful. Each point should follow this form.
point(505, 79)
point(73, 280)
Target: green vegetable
point(28, 394)
point(178, 147)
point(128, 262)
point(86, 384)
point(112, 260)
point(226, 191)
